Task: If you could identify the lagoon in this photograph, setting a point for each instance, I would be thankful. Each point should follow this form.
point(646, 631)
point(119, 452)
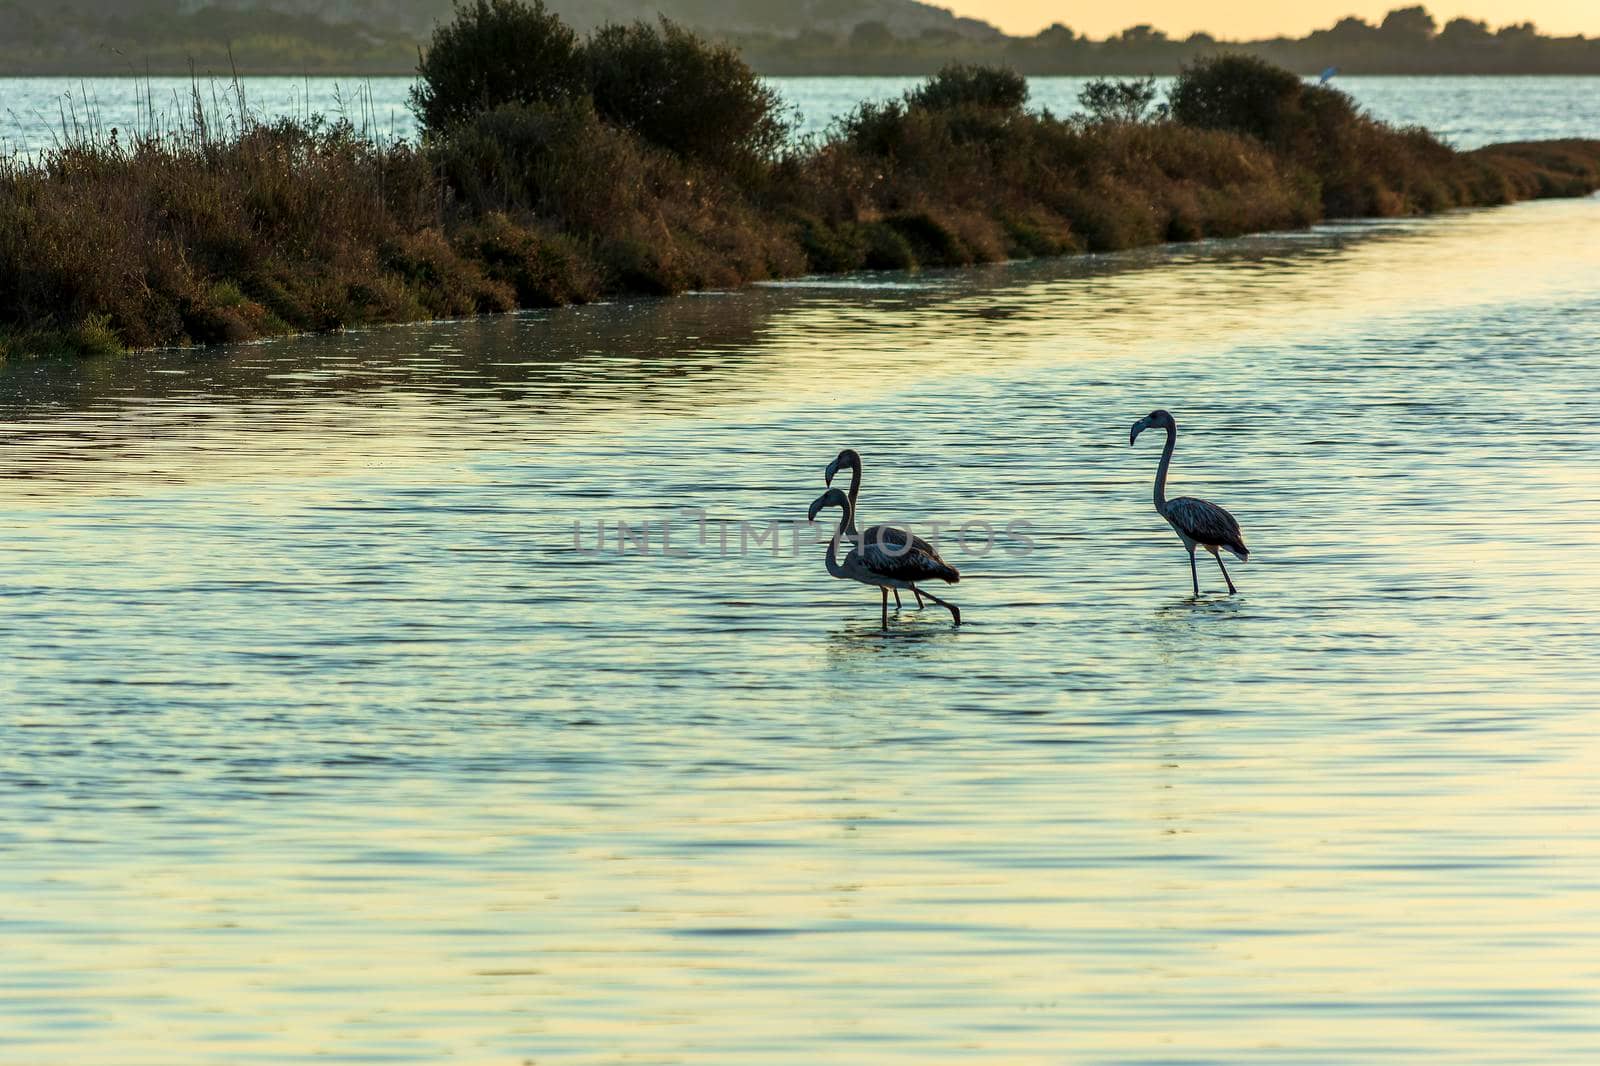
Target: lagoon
point(321, 742)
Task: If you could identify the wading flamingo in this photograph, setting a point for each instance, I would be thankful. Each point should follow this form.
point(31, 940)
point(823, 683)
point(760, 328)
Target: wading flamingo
point(884, 557)
point(1198, 523)
point(850, 459)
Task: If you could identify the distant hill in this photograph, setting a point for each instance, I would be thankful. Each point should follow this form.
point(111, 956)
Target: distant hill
point(775, 36)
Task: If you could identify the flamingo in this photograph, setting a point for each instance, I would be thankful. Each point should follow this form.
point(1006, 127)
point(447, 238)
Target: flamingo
point(884, 557)
point(850, 459)
point(1198, 523)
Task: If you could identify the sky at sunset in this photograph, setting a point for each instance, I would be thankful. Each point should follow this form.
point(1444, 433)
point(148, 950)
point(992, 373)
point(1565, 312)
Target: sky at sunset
point(1262, 18)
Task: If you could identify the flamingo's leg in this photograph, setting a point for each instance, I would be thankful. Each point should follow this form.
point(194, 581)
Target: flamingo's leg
point(897, 599)
point(884, 589)
point(918, 594)
point(1195, 574)
point(955, 612)
point(1225, 577)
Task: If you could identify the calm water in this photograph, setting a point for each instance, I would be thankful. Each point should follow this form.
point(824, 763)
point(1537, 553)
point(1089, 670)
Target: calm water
point(322, 743)
point(1467, 111)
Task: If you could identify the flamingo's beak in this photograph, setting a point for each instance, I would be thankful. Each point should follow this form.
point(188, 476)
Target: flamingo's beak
point(1138, 428)
point(830, 473)
point(816, 505)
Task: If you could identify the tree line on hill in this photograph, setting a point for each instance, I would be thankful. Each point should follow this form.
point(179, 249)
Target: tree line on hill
point(1407, 41)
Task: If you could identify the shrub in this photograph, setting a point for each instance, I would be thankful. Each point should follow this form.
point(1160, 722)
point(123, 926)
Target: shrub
point(965, 106)
point(961, 84)
point(696, 99)
point(832, 249)
point(545, 269)
point(1239, 93)
point(1118, 101)
point(887, 248)
point(873, 127)
point(559, 161)
point(1362, 167)
point(495, 52)
point(1540, 168)
point(95, 335)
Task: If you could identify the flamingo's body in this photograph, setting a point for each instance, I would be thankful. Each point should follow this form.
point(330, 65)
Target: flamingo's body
point(1198, 523)
point(884, 557)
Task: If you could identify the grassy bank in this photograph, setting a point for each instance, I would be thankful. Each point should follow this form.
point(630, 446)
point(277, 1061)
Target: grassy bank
point(573, 176)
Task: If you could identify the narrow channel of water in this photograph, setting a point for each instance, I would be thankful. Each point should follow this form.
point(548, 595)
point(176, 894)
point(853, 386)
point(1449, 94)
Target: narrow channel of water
point(1469, 111)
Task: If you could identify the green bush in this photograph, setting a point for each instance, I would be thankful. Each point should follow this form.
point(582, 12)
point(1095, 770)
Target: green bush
point(672, 88)
point(873, 127)
point(1361, 166)
point(1247, 95)
point(544, 269)
point(962, 84)
point(496, 52)
point(960, 106)
point(1118, 101)
point(559, 161)
point(1238, 93)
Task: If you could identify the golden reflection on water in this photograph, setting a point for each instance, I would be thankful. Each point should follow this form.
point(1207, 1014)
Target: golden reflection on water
point(443, 391)
point(320, 742)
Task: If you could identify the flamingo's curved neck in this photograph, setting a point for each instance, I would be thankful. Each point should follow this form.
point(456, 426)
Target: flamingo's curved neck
point(847, 527)
point(855, 488)
point(1161, 471)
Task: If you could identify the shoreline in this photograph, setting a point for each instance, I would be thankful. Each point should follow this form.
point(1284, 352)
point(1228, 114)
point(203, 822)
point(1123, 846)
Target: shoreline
point(609, 298)
point(96, 337)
